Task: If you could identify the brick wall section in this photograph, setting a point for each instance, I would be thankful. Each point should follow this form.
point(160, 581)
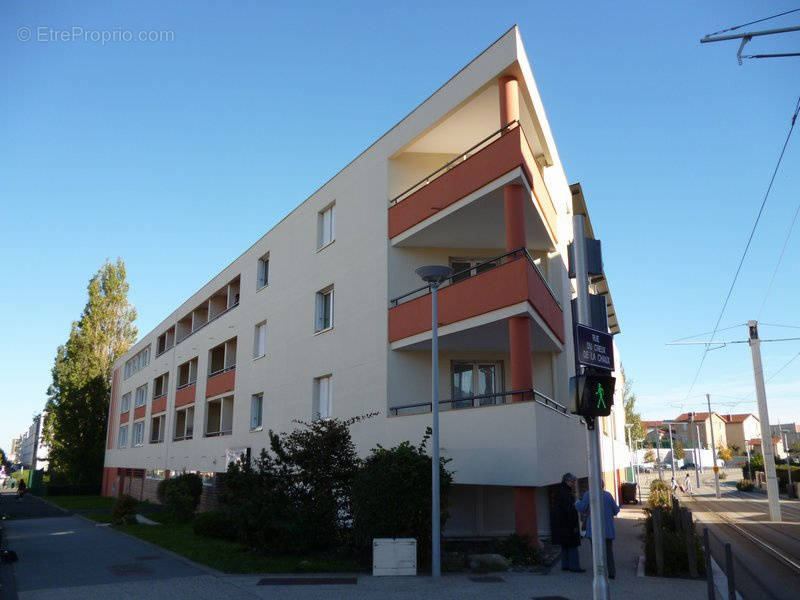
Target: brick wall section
point(209, 499)
point(135, 483)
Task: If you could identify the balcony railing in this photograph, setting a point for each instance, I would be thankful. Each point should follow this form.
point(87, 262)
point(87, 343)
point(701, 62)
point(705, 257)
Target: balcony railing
point(487, 265)
point(179, 438)
point(219, 433)
point(178, 340)
point(219, 371)
point(454, 162)
point(477, 401)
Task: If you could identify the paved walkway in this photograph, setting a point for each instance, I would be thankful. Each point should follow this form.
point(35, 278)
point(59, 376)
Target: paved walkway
point(66, 557)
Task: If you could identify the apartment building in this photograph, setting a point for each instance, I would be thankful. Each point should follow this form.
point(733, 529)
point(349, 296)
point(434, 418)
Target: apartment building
point(324, 316)
point(704, 421)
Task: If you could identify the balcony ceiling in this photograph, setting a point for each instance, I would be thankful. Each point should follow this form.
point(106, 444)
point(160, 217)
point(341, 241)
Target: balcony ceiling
point(480, 224)
point(474, 120)
point(492, 337)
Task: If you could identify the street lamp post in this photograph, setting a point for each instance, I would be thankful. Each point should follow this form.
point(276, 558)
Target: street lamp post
point(434, 275)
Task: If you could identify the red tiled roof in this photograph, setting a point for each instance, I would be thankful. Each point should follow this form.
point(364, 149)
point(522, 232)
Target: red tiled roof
point(652, 423)
point(738, 418)
point(698, 416)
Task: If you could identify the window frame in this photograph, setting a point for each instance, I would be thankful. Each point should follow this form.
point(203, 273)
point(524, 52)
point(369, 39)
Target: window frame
point(321, 226)
point(122, 440)
point(140, 426)
point(185, 436)
point(499, 381)
point(260, 398)
point(316, 412)
point(223, 402)
point(257, 340)
point(262, 273)
point(125, 402)
point(136, 403)
point(162, 419)
point(319, 308)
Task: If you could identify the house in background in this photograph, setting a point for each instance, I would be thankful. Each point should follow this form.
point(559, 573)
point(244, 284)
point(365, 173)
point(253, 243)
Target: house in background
point(778, 450)
point(740, 428)
point(705, 421)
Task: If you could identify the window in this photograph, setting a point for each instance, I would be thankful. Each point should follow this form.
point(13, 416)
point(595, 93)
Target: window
point(160, 385)
point(187, 373)
point(324, 310)
point(138, 362)
point(256, 411)
point(138, 433)
point(184, 423)
point(122, 437)
point(141, 395)
point(222, 357)
point(157, 474)
point(126, 403)
point(219, 416)
point(157, 429)
point(471, 379)
point(464, 268)
point(260, 340)
point(263, 271)
point(326, 225)
point(322, 397)
point(165, 341)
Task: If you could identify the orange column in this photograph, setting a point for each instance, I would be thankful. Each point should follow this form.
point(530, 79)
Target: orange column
point(514, 215)
point(509, 100)
point(525, 521)
point(519, 342)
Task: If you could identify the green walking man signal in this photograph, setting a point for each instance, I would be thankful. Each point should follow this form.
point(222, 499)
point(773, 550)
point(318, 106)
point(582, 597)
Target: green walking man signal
point(594, 392)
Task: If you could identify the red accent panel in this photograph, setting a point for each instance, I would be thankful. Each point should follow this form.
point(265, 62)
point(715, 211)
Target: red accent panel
point(221, 383)
point(509, 284)
point(514, 213)
point(185, 395)
point(519, 342)
point(112, 409)
point(525, 521)
point(159, 405)
point(139, 412)
point(124, 417)
point(509, 100)
point(506, 153)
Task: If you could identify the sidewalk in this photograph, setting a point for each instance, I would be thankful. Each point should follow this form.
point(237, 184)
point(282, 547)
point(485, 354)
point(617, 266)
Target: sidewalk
point(66, 557)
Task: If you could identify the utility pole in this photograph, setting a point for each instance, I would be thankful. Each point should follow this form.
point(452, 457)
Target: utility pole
point(696, 452)
point(713, 447)
point(658, 453)
point(671, 450)
point(699, 454)
point(763, 415)
point(600, 581)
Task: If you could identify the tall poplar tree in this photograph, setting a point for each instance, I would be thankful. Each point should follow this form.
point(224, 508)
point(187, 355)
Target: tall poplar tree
point(78, 398)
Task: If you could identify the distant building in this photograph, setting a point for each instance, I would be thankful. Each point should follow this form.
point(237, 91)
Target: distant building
point(777, 447)
point(741, 427)
point(13, 454)
point(705, 424)
point(31, 444)
point(789, 431)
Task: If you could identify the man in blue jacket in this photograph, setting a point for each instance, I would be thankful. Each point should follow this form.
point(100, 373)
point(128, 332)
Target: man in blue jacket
point(610, 510)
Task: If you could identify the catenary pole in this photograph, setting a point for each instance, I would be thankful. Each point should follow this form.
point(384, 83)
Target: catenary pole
point(692, 426)
point(713, 447)
point(671, 451)
point(600, 589)
point(763, 415)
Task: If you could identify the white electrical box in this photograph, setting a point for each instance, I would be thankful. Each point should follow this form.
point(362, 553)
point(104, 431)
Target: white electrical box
point(394, 556)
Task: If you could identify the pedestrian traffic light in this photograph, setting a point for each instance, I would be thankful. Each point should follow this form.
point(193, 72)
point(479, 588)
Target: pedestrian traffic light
point(595, 394)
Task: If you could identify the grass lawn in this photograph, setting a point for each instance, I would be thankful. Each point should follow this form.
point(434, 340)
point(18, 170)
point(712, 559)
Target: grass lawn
point(231, 557)
point(81, 503)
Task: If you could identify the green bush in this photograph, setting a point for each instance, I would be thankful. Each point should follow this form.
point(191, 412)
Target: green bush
point(782, 471)
point(676, 559)
point(180, 496)
point(217, 523)
point(520, 550)
point(745, 485)
point(392, 497)
point(124, 512)
point(722, 475)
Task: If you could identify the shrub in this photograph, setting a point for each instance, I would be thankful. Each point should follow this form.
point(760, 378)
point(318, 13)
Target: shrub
point(676, 561)
point(124, 512)
point(520, 550)
point(722, 475)
point(745, 485)
point(660, 494)
point(217, 523)
point(180, 496)
point(392, 497)
point(296, 498)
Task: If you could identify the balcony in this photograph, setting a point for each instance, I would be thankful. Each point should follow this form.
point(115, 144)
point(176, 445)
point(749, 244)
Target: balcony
point(502, 287)
point(467, 402)
point(185, 394)
point(221, 382)
point(476, 176)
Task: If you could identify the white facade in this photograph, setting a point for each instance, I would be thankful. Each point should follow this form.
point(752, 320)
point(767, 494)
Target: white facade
point(309, 307)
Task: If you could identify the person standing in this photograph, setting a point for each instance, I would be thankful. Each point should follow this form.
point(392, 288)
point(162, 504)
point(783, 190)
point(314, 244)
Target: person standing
point(687, 483)
point(610, 510)
point(565, 524)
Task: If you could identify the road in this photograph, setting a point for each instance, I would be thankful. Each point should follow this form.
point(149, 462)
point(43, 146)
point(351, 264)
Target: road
point(766, 553)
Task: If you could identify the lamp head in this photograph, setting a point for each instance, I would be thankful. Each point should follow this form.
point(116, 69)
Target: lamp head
point(434, 274)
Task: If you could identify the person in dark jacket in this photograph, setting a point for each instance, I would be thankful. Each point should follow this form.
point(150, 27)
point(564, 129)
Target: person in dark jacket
point(565, 526)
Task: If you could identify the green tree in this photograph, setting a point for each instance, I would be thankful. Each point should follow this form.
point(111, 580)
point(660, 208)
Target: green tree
point(724, 453)
point(78, 398)
point(677, 447)
point(649, 456)
point(631, 416)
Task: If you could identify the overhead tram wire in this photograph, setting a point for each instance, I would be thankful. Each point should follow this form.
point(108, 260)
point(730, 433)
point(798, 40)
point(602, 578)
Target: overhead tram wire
point(735, 27)
point(749, 241)
point(788, 233)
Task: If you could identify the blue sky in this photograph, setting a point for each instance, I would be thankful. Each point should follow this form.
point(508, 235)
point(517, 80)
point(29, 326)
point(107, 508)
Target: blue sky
point(178, 155)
